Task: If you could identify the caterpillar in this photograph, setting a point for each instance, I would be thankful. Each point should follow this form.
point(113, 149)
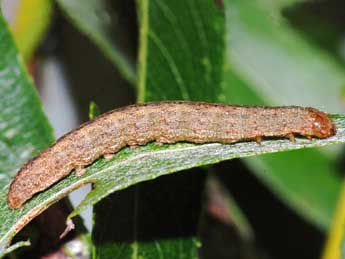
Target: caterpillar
point(163, 122)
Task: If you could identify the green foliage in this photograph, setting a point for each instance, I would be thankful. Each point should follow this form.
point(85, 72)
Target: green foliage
point(24, 129)
point(188, 71)
point(244, 52)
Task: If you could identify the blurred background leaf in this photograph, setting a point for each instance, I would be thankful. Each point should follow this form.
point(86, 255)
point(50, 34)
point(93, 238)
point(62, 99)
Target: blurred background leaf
point(92, 18)
point(335, 244)
point(270, 63)
point(29, 21)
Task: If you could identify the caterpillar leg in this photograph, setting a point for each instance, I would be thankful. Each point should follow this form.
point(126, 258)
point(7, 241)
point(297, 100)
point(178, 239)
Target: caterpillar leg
point(80, 170)
point(163, 140)
point(108, 156)
point(291, 137)
point(258, 139)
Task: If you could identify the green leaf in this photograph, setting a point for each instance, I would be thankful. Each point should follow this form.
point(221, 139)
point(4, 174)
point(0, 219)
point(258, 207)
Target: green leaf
point(143, 224)
point(123, 170)
point(182, 50)
point(24, 130)
point(129, 167)
point(298, 184)
point(91, 17)
point(269, 63)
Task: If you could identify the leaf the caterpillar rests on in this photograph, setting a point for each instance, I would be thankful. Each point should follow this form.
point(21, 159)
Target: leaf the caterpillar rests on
point(163, 122)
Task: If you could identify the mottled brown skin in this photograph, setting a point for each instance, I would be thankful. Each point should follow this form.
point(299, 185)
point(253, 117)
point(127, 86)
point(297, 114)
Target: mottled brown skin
point(163, 122)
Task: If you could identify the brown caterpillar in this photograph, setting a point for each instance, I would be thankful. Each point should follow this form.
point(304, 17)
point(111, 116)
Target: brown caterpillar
point(163, 122)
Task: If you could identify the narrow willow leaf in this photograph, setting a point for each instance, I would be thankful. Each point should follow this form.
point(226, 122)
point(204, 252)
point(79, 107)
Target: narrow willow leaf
point(24, 130)
point(123, 171)
point(129, 167)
